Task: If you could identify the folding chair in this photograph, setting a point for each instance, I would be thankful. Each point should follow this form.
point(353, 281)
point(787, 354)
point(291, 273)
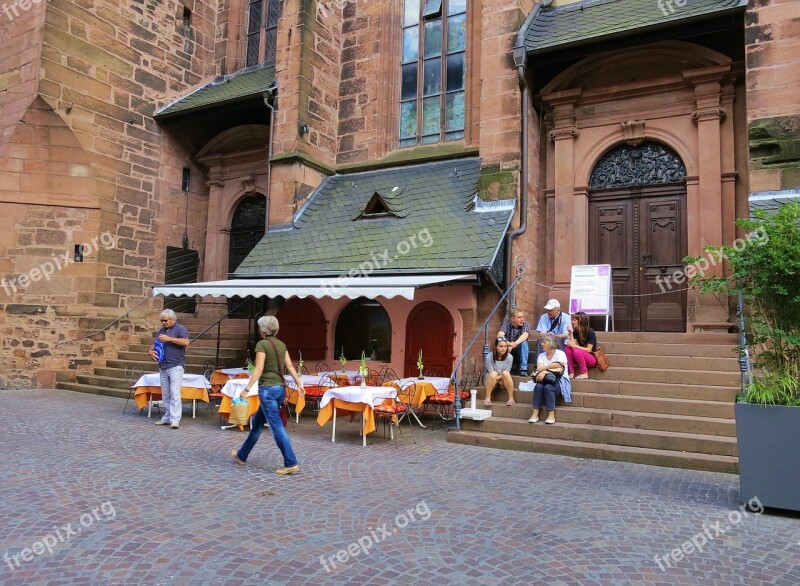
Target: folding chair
point(398, 409)
point(132, 374)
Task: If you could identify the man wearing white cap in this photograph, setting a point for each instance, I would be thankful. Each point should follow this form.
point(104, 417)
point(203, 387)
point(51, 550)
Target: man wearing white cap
point(554, 322)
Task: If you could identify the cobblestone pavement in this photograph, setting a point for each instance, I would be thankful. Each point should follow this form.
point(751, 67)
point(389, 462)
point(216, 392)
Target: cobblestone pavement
point(102, 498)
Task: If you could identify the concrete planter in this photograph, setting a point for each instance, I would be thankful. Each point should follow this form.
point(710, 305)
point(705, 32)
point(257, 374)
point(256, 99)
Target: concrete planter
point(769, 454)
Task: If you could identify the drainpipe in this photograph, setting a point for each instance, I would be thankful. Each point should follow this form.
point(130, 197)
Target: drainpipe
point(269, 99)
point(520, 60)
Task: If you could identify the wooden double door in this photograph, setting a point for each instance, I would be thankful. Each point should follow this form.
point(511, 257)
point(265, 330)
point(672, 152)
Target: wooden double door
point(641, 233)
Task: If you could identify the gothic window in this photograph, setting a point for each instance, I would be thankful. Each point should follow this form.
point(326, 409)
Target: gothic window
point(646, 164)
point(433, 71)
point(262, 31)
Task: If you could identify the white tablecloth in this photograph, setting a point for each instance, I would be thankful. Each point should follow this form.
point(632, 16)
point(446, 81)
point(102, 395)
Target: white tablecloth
point(234, 386)
point(197, 381)
point(232, 372)
point(369, 395)
point(440, 383)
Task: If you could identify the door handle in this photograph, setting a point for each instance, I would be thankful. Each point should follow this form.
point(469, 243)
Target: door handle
point(646, 258)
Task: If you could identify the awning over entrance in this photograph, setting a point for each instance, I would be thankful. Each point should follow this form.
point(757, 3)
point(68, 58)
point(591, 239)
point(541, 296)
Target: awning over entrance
point(334, 287)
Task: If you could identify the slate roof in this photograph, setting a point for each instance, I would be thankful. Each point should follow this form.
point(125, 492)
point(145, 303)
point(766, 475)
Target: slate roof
point(557, 27)
point(229, 89)
point(441, 209)
point(770, 201)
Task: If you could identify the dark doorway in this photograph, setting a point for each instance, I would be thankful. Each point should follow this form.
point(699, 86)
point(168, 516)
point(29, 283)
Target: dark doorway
point(247, 228)
point(430, 329)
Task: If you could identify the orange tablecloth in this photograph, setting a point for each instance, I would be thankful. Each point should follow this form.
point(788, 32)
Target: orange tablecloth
point(219, 378)
point(143, 394)
point(291, 395)
point(423, 390)
point(363, 403)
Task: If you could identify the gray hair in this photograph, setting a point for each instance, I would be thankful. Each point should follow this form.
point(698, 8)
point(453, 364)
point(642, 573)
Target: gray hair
point(550, 339)
point(169, 314)
point(268, 325)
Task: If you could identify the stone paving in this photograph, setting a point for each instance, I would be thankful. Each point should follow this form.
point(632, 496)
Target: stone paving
point(91, 496)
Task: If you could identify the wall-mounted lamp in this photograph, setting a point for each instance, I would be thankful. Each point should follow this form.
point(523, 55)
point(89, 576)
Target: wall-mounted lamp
point(302, 128)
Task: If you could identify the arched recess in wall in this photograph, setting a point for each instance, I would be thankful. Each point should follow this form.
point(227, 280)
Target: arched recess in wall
point(429, 328)
point(363, 326)
point(248, 224)
point(303, 329)
point(638, 225)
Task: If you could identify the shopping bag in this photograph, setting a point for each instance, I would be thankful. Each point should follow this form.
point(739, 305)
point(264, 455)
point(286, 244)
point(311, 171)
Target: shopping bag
point(602, 359)
point(240, 413)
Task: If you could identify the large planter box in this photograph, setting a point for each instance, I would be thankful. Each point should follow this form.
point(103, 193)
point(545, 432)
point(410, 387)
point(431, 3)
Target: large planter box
point(769, 454)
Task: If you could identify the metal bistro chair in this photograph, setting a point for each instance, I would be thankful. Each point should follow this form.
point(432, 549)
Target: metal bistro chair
point(321, 367)
point(314, 393)
point(132, 374)
point(400, 408)
point(214, 391)
point(387, 374)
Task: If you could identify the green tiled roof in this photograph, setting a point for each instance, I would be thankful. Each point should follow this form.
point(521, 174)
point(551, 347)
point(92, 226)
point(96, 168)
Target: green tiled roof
point(446, 228)
point(557, 27)
point(229, 89)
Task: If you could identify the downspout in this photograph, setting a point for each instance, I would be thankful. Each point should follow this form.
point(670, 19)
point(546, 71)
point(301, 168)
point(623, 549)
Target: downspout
point(269, 99)
point(520, 60)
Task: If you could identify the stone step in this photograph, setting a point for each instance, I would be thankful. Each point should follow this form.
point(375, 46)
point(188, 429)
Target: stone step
point(146, 365)
point(228, 352)
point(672, 362)
point(668, 376)
point(94, 390)
point(192, 357)
point(660, 390)
point(227, 340)
point(686, 407)
point(667, 350)
point(704, 338)
point(600, 434)
point(103, 381)
point(626, 419)
point(649, 456)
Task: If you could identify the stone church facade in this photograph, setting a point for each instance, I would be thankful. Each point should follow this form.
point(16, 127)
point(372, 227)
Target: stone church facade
point(134, 133)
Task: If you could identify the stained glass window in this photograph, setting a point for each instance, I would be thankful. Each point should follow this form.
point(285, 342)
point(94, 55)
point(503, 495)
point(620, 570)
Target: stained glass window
point(262, 31)
point(433, 71)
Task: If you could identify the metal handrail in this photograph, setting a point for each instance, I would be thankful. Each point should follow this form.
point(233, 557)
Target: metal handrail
point(745, 367)
point(218, 324)
point(485, 329)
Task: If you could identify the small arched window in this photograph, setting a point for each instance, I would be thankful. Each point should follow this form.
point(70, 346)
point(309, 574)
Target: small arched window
point(364, 326)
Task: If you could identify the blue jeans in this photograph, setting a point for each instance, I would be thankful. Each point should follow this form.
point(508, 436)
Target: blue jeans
point(520, 354)
point(548, 393)
point(270, 399)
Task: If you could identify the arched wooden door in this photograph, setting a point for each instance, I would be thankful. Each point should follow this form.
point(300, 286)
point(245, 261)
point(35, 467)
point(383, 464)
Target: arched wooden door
point(430, 328)
point(637, 224)
point(303, 329)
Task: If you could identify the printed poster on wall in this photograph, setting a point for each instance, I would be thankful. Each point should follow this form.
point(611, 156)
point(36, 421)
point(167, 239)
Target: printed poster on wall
point(590, 289)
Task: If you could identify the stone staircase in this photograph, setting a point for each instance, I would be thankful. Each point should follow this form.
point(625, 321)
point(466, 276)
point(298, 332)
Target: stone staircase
point(666, 400)
point(110, 380)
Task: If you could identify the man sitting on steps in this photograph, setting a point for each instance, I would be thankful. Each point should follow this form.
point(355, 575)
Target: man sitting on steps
point(516, 332)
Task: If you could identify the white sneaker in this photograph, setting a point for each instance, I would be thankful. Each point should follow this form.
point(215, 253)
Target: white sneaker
point(533, 419)
point(162, 422)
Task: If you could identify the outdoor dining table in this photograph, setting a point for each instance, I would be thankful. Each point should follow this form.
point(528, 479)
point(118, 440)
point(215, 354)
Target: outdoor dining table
point(424, 387)
point(194, 387)
point(222, 375)
point(342, 377)
point(354, 399)
point(234, 386)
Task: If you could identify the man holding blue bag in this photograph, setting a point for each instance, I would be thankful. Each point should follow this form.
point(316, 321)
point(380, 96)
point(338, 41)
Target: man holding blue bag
point(169, 350)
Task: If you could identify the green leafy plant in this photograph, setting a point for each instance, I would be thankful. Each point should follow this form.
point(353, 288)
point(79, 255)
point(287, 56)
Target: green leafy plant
point(766, 271)
point(250, 365)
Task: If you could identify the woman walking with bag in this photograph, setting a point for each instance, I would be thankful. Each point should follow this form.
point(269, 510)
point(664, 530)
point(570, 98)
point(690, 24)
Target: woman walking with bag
point(271, 360)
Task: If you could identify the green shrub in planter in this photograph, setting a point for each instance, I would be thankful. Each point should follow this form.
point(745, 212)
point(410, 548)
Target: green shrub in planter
point(765, 269)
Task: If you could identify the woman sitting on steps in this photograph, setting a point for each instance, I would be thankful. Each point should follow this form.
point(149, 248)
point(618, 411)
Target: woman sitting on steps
point(498, 369)
point(579, 348)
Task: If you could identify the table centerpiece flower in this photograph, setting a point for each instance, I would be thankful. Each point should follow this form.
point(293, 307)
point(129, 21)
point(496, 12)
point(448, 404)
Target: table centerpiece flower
point(420, 364)
point(363, 371)
point(250, 365)
point(343, 360)
point(300, 362)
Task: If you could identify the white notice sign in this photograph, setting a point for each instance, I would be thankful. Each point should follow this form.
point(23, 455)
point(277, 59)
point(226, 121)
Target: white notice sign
point(590, 290)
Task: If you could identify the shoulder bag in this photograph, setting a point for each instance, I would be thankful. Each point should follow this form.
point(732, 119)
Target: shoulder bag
point(602, 359)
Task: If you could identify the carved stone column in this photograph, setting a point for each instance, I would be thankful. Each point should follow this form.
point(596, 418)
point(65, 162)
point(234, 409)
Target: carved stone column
point(215, 258)
point(566, 212)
